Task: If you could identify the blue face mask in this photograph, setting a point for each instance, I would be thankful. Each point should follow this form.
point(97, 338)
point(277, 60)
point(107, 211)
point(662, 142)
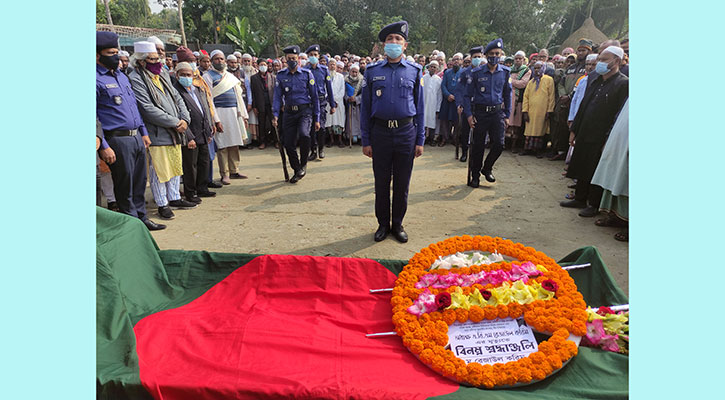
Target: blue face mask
point(476, 61)
point(393, 50)
point(313, 60)
point(493, 60)
point(186, 81)
point(602, 68)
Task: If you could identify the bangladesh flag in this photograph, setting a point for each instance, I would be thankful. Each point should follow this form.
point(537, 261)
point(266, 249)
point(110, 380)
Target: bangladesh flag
point(183, 325)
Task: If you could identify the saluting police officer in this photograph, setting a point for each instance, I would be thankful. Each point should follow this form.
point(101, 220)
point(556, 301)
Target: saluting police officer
point(487, 105)
point(392, 127)
point(324, 93)
point(301, 109)
point(460, 92)
point(124, 138)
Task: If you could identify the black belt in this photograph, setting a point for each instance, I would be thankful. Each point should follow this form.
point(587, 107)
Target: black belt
point(393, 123)
point(120, 132)
point(488, 109)
point(298, 107)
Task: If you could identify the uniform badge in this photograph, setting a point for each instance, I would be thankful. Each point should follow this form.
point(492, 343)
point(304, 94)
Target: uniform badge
point(421, 82)
point(118, 100)
point(286, 89)
point(379, 92)
point(365, 82)
point(469, 80)
point(328, 77)
point(483, 89)
point(312, 81)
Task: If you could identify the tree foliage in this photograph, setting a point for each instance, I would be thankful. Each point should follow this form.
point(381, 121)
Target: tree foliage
point(352, 25)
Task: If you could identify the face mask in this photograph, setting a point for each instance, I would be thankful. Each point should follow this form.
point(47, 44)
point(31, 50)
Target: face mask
point(110, 62)
point(262, 68)
point(493, 60)
point(476, 61)
point(314, 60)
point(291, 64)
point(193, 66)
point(393, 50)
point(154, 68)
point(303, 62)
point(218, 66)
point(602, 68)
point(186, 81)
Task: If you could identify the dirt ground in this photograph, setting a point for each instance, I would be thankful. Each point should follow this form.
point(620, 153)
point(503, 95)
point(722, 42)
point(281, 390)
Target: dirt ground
point(331, 210)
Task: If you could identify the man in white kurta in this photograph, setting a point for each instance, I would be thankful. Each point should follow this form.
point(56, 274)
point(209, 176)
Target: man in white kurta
point(336, 121)
point(432, 97)
point(227, 93)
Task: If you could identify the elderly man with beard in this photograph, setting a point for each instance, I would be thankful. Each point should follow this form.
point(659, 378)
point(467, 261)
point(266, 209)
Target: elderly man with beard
point(353, 100)
point(167, 119)
point(520, 75)
point(448, 111)
point(246, 71)
point(262, 86)
point(123, 56)
point(226, 90)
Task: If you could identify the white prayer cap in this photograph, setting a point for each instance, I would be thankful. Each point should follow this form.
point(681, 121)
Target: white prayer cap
point(592, 57)
point(434, 52)
point(232, 57)
point(246, 56)
point(520, 53)
point(617, 51)
point(196, 54)
point(301, 54)
point(237, 54)
point(434, 62)
point(183, 65)
point(441, 54)
point(340, 64)
point(144, 47)
point(123, 53)
point(355, 66)
point(337, 57)
point(215, 52)
point(156, 41)
point(459, 55)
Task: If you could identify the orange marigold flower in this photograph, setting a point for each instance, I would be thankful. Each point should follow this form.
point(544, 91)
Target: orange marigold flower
point(476, 314)
point(461, 315)
point(449, 316)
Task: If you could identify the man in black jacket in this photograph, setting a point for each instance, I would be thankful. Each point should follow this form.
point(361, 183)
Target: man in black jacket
point(262, 85)
point(195, 155)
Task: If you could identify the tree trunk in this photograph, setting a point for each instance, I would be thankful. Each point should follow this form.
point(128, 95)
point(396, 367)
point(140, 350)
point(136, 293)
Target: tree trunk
point(181, 23)
point(108, 12)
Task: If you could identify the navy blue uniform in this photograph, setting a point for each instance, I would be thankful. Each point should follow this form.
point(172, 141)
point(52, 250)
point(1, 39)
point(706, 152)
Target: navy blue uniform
point(323, 81)
point(392, 122)
point(301, 109)
point(123, 128)
point(459, 92)
point(488, 99)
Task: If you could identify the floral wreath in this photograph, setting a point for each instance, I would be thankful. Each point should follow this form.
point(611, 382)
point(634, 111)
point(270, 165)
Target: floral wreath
point(553, 305)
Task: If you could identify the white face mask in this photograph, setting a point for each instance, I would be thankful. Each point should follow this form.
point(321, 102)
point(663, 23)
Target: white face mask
point(303, 62)
point(262, 68)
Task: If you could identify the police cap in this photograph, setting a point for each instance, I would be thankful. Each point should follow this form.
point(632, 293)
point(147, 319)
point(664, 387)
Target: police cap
point(400, 27)
point(294, 49)
point(494, 44)
point(106, 40)
point(314, 47)
point(477, 49)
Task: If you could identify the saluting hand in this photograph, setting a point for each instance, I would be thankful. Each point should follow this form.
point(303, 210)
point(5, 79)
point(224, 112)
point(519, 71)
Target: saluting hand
point(418, 151)
point(368, 151)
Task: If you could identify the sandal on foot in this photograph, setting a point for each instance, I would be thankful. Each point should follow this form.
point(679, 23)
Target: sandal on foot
point(622, 236)
point(610, 220)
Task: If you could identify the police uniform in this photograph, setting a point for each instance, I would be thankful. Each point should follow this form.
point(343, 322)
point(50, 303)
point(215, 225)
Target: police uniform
point(323, 81)
point(123, 128)
point(301, 108)
point(459, 93)
point(488, 99)
point(392, 123)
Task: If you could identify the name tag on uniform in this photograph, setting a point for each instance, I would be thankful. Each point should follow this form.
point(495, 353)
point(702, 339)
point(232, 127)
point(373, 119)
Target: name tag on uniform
point(481, 79)
point(111, 85)
point(379, 78)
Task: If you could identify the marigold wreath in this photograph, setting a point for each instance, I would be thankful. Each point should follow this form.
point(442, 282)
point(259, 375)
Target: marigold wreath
point(562, 314)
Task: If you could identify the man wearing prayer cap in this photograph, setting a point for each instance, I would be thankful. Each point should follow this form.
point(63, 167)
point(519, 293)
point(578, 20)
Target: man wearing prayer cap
point(196, 54)
point(565, 90)
point(204, 63)
point(124, 57)
point(246, 70)
point(123, 137)
point(323, 82)
point(392, 122)
point(448, 114)
point(160, 46)
point(604, 97)
point(464, 130)
point(295, 89)
point(487, 105)
point(229, 104)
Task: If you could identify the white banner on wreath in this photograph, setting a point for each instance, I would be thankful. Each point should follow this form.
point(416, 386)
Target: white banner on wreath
point(491, 342)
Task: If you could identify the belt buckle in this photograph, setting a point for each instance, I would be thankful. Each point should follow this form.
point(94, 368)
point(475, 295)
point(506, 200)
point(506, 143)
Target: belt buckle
point(295, 108)
point(392, 123)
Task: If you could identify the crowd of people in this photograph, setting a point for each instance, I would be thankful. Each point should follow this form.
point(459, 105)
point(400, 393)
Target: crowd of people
point(180, 111)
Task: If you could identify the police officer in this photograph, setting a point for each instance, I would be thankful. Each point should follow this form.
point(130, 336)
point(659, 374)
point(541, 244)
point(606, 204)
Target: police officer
point(324, 93)
point(124, 138)
point(487, 105)
point(476, 58)
point(296, 88)
point(392, 127)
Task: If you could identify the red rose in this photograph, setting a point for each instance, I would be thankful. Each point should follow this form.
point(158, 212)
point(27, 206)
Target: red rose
point(605, 311)
point(549, 285)
point(443, 300)
point(486, 294)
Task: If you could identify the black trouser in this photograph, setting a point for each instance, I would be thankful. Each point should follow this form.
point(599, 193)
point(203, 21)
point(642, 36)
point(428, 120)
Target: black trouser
point(588, 193)
point(317, 139)
point(296, 128)
point(129, 174)
point(264, 129)
point(463, 132)
point(560, 134)
point(393, 155)
point(195, 163)
point(491, 124)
